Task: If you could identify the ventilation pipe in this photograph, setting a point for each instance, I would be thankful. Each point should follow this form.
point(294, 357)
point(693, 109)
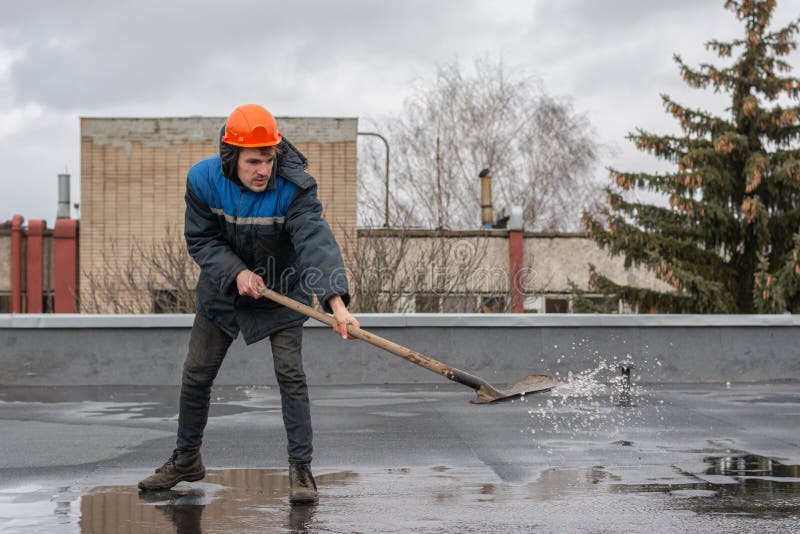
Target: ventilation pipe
point(63, 197)
point(487, 214)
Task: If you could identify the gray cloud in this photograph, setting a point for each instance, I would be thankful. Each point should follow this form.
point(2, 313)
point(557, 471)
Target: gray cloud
point(344, 58)
point(97, 54)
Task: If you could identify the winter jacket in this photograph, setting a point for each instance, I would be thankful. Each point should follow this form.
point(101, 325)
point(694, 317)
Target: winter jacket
point(278, 233)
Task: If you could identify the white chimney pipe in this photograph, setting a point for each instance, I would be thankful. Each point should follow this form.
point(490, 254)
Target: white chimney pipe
point(63, 197)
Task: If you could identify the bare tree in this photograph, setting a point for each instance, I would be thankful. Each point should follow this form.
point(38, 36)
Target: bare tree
point(541, 153)
point(145, 277)
point(402, 269)
point(389, 270)
point(375, 270)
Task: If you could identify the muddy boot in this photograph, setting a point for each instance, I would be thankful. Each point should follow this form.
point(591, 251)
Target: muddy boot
point(182, 465)
point(302, 488)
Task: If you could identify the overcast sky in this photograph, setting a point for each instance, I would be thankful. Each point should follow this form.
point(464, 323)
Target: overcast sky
point(62, 60)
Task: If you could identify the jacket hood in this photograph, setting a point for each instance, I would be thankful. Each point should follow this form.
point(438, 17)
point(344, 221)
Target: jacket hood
point(291, 163)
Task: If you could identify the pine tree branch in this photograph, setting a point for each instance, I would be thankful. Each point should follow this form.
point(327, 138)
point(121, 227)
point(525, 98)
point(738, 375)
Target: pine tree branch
point(779, 290)
point(696, 121)
point(646, 300)
point(774, 86)
point(580, 302)
point(712, 184)
point(668, 147)
point(781, 227)
point(780, 125)
point(723, 48)
point(782, 41)
point(708, 75)
point(650, 248)
point(785, 169)
point(670, 223)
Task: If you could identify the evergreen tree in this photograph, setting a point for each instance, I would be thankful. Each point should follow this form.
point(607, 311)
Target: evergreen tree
point(728, 241)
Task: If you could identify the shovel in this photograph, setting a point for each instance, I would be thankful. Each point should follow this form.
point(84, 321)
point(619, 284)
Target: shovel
point(486, 392)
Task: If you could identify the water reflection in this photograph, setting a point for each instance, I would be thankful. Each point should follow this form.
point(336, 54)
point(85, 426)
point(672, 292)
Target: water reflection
point(557, 483)
point(750, 465)
point(760, 487)
point(227, 500)
point(301, 517)
point(183, 509)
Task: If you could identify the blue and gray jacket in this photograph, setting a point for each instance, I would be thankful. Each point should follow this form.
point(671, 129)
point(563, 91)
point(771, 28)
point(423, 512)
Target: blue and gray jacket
point(278, 233)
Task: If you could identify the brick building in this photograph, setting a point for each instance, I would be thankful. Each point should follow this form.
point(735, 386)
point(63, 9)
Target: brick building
point(133, 178)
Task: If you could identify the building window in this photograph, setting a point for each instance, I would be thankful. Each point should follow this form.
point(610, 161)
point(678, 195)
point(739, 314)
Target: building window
point(165, 301)
point(459, 304)
point(556, 305)
point(48, 302)
point(605, 304)
point(493, 304)
point(533, 304)
point(5, 303)
point(426, 304)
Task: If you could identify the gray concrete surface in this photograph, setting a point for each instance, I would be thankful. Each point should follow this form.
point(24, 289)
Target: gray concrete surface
point(412, 458)
point(149, 350)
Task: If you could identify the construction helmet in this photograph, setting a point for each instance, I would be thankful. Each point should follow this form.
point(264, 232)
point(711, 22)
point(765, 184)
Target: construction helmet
point(251, 126)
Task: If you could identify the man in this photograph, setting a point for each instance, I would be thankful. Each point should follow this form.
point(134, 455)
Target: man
point(253, 218)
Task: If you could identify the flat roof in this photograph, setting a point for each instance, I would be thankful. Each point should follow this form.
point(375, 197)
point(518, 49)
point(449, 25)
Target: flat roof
point(419, 320)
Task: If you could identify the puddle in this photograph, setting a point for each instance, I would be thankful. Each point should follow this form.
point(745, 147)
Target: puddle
point(232, 500)
point(439, 499)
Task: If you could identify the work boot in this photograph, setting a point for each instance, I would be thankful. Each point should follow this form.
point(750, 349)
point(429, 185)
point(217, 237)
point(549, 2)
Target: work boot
point(302, 488)
point(182, 465)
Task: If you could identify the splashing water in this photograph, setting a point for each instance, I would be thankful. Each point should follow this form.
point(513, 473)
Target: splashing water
point(587, 402)
point(583, 384)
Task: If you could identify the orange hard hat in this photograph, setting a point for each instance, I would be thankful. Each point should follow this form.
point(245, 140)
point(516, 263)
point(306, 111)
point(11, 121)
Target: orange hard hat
point(251, 126)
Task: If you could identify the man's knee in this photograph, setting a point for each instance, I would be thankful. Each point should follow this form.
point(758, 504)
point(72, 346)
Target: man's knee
point(290, 372)
point(198, 373)
point(286, 352)
point(291, 377)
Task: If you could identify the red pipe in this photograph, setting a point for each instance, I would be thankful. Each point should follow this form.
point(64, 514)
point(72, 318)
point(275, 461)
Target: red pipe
point(35, 266)
point(516, 280)
point(65, 266)
point(16, 263)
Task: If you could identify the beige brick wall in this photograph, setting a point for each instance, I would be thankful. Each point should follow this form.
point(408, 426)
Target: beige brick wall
point(558, 260)
point(133, 176)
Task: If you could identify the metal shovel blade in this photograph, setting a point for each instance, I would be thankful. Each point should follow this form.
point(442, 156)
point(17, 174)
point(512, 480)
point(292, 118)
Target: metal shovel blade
point(524, 386)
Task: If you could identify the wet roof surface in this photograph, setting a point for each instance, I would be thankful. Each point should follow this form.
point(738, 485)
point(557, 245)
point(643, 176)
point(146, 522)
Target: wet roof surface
point(711, 457)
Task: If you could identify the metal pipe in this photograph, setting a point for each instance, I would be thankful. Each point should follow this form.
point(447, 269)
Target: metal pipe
point(625, 385)
point(63, 197)
point(487, 214)
point(385, 142)
point(439, 217)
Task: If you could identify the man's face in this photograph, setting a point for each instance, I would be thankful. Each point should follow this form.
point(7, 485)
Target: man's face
point(255, 167)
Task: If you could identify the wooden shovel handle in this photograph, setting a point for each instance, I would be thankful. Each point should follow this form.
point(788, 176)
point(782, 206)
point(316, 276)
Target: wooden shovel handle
point(385, 344)
point(427, 362)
